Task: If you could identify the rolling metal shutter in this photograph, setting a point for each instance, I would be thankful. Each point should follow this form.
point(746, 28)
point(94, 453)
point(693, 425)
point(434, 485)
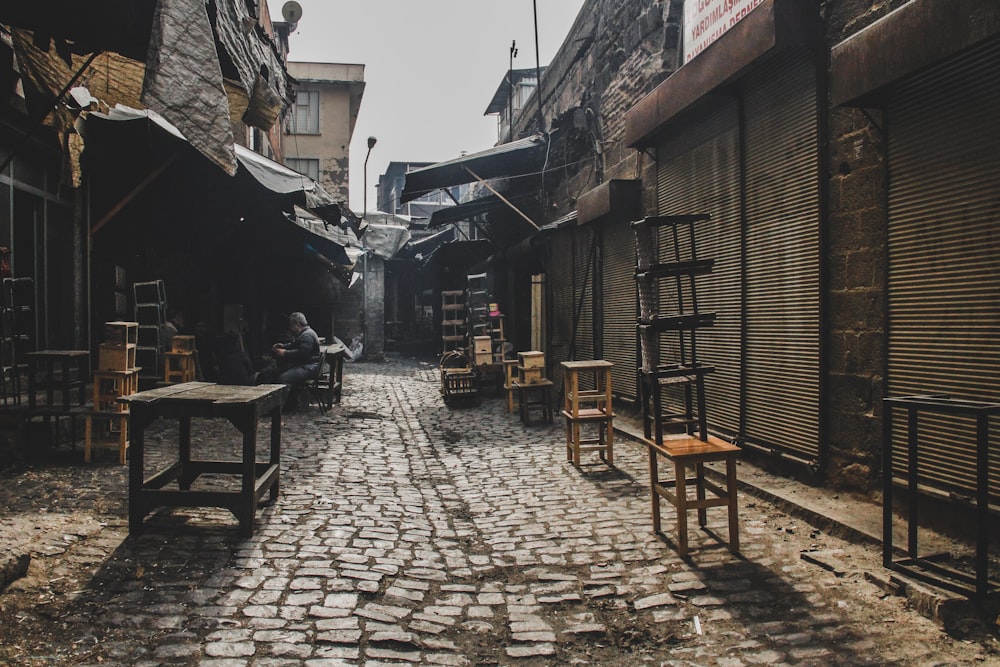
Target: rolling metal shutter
point(584, 270)
point(782, 257)
point(944, 245)
point(699, 172)
point(619, 297)
point(560, 281)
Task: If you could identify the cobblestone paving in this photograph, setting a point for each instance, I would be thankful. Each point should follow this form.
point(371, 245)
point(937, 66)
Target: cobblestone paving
point(408, 532)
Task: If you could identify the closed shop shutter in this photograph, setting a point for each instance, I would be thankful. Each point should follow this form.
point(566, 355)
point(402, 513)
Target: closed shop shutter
point(560, 280)
point(585, 259)
point(944, 245)
point(782, 257)
point(699, 173)
point(619, 295)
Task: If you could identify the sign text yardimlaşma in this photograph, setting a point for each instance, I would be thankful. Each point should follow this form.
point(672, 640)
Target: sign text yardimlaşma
point(707, 20)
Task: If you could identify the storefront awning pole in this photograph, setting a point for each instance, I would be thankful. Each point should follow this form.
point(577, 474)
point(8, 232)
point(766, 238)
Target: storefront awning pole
point(501, 197)
point(132, 194)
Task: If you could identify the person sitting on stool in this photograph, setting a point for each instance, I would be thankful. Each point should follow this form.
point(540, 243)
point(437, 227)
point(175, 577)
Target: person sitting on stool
point(299, 359)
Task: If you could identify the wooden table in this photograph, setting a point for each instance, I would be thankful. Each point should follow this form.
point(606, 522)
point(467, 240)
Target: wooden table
point(243, 406)
point(49, 360)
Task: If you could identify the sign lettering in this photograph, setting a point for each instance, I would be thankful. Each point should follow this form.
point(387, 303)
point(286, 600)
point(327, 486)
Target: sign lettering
point(707, 20)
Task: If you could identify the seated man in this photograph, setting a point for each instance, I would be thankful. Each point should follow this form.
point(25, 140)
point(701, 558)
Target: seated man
point(298, 360)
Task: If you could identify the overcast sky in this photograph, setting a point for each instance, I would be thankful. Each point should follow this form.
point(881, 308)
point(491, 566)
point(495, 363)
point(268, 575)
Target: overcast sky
point(431, 68)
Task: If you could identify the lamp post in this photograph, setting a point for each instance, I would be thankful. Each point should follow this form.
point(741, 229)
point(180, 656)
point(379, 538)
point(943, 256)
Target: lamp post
point(364, 199)
point(365, 293)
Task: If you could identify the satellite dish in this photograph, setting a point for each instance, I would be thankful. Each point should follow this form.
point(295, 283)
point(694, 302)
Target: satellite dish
point(291, 11)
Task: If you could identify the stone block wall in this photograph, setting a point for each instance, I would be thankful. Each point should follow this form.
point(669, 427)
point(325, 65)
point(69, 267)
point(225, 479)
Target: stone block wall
point(620, 50)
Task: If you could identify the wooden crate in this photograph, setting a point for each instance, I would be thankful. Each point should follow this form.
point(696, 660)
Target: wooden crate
point(531, 359)
point(182, 344)
point(121, 333)
point(106, 432)
point(178, 367)
point(530, 375)
point(112, 357)
point(109, 386)
point(482, 344)
point(459, 383)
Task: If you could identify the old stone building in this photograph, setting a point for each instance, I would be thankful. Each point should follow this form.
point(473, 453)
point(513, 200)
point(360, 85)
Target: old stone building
point(844, 151)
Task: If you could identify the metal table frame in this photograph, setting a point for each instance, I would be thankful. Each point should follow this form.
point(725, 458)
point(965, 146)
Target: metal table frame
point(928, 568)
point(48, 360)
point(243, 406)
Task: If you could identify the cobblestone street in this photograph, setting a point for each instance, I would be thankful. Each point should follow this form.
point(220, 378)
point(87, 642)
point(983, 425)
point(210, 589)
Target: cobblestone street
point(409, 532)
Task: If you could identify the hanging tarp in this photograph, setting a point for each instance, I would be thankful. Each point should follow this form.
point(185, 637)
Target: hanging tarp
point(517, 158)
point(207, 64)
point(183, 79)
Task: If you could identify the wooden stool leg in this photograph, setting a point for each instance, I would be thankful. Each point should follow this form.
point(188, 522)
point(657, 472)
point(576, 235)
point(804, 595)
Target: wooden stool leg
point(569, 440)
point(87, 438)
point(576, 444)
point(700, 487)
point(610, 444)
point(680, 486)
point(734, 514)
point(654, 480)
point(122, 439)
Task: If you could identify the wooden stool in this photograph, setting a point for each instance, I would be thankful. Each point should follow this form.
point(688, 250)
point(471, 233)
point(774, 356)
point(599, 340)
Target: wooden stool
point(178, 367)
point(109, 386)
point(685, 452)
point(509, 371)
point(535, 396)
point(109, 430)
point(588, 406)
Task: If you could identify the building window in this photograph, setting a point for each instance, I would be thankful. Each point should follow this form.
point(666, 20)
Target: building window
point(304, 165)
point(304, 116)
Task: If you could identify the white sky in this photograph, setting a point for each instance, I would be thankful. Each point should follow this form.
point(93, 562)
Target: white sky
point(431, 68)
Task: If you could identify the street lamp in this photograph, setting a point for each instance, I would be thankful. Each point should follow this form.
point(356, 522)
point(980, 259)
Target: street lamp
point(371, 145)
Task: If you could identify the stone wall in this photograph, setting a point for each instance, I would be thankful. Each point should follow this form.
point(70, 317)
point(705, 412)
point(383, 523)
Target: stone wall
point(620, 50)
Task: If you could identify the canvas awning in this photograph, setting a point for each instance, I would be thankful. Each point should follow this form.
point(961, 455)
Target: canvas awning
point(156, 46)
point(517, 158)
point(268, 195)
point(464, 210)
point(295, 189)
point(458, 255)
point(420, 248)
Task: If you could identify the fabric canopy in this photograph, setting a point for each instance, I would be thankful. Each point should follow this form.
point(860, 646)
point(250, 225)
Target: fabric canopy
point(202, 64)
point(298, 189)
point(517, 158)
point(464, 210)
point(458, 255)
point(271, 195)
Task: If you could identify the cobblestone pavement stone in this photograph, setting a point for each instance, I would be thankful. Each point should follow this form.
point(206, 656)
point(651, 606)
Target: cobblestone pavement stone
point(411, 533)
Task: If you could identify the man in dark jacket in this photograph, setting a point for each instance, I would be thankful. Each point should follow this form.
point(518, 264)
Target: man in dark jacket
point(298, 360)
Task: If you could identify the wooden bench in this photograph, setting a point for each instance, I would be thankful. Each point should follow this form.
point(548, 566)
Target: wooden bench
point(688, 452)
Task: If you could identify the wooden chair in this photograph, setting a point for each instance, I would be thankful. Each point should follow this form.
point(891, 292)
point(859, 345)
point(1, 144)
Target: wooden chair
point(691, 453)
point(319, 384)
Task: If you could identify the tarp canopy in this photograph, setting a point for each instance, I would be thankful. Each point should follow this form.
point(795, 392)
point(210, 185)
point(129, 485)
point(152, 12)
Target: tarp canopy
point(420, 248)
point(202, 64)
point(517, 158)
point(136, 149)
point(122, 124)
point(458, 255)
point(382, 240)
point(464, 210)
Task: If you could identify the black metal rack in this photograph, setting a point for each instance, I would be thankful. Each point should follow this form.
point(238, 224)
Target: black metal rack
point(934, 569)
